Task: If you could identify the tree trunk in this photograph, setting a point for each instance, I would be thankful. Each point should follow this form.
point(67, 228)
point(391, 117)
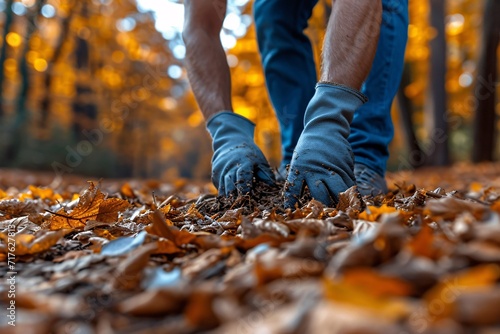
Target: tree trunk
point(46, 103)
point(484, 93)
point(84, 108)
point(9, 18)
point(21, 113)
point(437, 148)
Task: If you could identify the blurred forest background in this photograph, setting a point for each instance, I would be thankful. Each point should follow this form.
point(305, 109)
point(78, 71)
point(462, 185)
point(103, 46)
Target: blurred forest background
point(98, 87)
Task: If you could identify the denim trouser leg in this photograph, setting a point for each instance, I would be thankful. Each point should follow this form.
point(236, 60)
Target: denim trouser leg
point(372, 129)
point(291, 75)
point(288, 62)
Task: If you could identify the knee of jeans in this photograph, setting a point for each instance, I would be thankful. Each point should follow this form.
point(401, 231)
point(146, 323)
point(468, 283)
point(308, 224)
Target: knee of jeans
point(396, 7)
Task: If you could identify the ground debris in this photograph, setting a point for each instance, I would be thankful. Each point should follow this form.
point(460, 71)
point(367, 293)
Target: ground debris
point(422, 259)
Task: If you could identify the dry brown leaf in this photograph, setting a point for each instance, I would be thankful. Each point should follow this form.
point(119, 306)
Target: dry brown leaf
point(166, 247)
point(351, 202)
point(271, 239)
point(426, 244)
point(87, 208)
point(446, 292)
point(376, 284)
point(109, 209)
point(450, 207)
point(335, 318)
point(496, 206)
point(478, 308)
point(29, 243)
point(16, 208)
point(203, 262)
point(127, 191)
point(128, 275)
point(273, 227)
point(199, 310)
point(91, 206)
point(166, 230)
point(154, 303)
point(314, 226)
point(392, 309)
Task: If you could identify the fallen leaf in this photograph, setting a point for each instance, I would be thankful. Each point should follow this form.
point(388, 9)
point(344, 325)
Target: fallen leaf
point(127, 190)
point(392, 309)
point(450, 207)
point(426, 244)
point(272, 227)
point(376, 284)
point(91, 206)
point(128, 275)
point(45, 194)
point(109, 209)
point(446, 292)
point(372, 213)
point(478, 308)
point(160, 228)
point(154, 302)
point(31, 244)
point(166, 247)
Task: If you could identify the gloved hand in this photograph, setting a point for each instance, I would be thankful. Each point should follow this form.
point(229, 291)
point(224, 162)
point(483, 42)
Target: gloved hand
point(369, 182)
point(323, 159)
point(236, 158)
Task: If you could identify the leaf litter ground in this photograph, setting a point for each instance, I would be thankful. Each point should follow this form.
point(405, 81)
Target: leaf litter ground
point(149, 257)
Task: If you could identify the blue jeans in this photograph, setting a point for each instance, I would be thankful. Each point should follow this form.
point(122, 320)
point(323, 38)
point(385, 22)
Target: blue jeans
point(290, 72)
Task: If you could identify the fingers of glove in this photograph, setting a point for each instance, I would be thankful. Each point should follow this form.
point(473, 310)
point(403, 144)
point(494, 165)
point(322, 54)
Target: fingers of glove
point(321, 192)
point(229, 184)
point(327, 191)
point(218, 181)
point(281, 174)
point(294, 187)
point(265, 174)
point(244, 177)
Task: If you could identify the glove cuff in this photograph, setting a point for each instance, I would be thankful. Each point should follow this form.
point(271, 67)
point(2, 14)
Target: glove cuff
point(228, 121)
point(345, 88)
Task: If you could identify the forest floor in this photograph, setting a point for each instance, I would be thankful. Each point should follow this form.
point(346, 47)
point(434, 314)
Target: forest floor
point(151, 257)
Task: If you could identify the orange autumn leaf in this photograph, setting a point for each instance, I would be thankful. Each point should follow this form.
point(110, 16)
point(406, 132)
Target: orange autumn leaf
point(3, 194)
point(109, 209)
point(161, 228)
point(44, 193)
point(127, 190)
point(166, 247)
point(496, 206)
point(31, 244)
point(449, 288)
point(426, 244)
point(199, 310)
point(372, 213)
point(87, 208)
point(388, 308)
point(476, 187)
point(367, 279)
point(91, 205)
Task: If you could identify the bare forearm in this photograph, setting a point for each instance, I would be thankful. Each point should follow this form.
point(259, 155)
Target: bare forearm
point(208, 74)
point(351, 41)
point(206, 62)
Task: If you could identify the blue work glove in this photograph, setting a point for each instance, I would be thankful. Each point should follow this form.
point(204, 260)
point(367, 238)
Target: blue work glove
point(323, 159)
point(369, 182)
point(236, 160)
